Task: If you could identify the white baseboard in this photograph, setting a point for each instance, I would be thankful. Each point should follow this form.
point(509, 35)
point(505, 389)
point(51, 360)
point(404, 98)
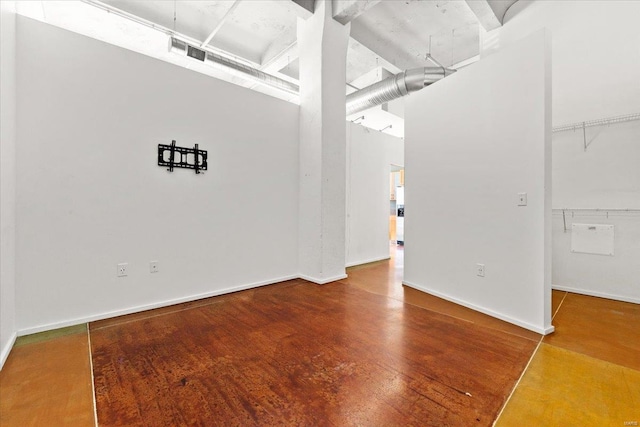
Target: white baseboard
point(367, 261)
point(7, 349)
point(517, 322)
point(322, 281)
point(596, 294)
point(130, 310)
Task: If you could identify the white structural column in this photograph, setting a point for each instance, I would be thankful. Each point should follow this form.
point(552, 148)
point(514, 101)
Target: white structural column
point(323, 50)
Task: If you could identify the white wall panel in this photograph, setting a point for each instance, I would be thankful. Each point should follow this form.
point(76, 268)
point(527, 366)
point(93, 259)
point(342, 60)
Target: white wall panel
point(473, 142)
point(90, 194)
point(8, 177)
point(595, 67)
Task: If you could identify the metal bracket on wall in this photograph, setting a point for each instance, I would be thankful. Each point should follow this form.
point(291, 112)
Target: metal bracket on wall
point(182, 157)
point(598, 122)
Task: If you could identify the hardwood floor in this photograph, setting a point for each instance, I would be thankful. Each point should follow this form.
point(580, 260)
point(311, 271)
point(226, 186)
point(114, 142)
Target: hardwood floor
point(364, 351)
point(385, 278)
point(302, 354)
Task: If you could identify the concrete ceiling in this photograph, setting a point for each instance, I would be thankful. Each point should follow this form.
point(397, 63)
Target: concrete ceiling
point(395, 34)
point(391, 35)
point(400, 31)
point(247, 32)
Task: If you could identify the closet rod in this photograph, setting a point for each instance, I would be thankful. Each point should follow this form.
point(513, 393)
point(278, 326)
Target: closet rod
point(598, 122)
point(597, 209)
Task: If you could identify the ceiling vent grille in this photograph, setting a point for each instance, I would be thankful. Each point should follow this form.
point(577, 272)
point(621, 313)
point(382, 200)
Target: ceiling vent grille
point(195, 53)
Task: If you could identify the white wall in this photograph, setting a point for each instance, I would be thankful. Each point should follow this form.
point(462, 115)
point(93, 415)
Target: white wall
point(614, 277)
point(473, 142)
point(596, 64)
point(369, 157)
point(8, 177)
point(90, 194)
point(595, 53)
point(606, 175)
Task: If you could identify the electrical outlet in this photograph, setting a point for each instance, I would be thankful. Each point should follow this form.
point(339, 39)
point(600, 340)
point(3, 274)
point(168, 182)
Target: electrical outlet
point(522, 199)
point(122, 269)
point(154, 266)
point(480, 270)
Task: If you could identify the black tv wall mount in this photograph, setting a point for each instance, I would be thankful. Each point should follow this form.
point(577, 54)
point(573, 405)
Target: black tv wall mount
point(182, 157)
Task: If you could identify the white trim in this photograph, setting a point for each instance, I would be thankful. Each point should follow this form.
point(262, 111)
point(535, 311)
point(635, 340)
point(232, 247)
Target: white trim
point(368, 261)
point(517, 322)
point(596, 294)
point(318, 281)
point(7, 349)
point(115, 313)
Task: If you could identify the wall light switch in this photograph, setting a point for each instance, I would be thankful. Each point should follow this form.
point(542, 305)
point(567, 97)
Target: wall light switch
point(480, 270)
point(522, 199)
point(122, 269)
point(154, 266)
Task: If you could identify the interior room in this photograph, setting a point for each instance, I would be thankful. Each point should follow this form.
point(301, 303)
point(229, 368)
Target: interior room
point(320, 212)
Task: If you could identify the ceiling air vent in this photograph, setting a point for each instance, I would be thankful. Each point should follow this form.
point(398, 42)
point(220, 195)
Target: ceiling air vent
point(196, 53)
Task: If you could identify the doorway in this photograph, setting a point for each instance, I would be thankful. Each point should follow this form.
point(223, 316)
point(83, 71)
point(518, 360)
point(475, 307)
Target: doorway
point(396, 205)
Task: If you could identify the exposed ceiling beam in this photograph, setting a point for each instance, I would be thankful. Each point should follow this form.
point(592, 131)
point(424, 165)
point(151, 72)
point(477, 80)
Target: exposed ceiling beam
point(221, 23)
point(485, 14)
point(388, 50)
point(361, 60)
point(345, 11)
point(280, 59)
point(306, 8)
point(280, 52)
point(275, 61)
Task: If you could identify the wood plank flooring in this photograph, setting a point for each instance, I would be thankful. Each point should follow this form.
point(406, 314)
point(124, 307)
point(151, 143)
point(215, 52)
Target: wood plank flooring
point(301, 354)
point(365, 351)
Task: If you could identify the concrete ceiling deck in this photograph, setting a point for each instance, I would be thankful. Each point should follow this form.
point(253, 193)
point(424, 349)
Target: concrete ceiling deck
point(396, 34)
point(392, 34)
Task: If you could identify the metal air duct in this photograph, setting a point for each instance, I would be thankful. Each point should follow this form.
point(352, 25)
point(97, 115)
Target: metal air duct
point(195, 52)
point(391, 88)
point(394, 87)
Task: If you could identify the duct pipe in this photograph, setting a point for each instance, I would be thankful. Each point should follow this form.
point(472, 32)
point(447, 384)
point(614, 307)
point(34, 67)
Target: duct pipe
point(394, 87)
point(195, 52)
